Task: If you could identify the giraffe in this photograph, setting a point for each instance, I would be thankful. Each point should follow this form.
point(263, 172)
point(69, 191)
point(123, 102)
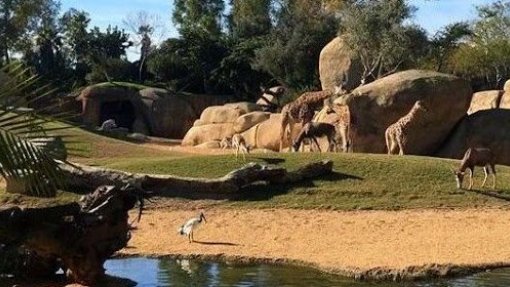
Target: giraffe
point(302, 110)
point(342, 123)
point(397, 133)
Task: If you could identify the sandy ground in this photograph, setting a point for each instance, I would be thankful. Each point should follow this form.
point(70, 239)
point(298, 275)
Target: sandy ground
point(351, 243)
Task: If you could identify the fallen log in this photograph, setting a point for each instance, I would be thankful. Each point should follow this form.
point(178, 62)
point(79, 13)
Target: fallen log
point(166, 185)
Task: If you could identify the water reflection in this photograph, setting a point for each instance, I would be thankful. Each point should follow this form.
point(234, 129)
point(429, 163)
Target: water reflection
point(183, 272)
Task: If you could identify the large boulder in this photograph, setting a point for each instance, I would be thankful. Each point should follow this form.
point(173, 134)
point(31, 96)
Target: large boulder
point(248, 120)
point(375, 106)
point(266, 135)
point(488, 128)
point(336, 60)
point(485, 100)
point(207, 133)
point(504, 103)
point(227, 113)
point(169, 115)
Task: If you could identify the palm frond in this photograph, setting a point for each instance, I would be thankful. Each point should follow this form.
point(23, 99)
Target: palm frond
point(27, 148)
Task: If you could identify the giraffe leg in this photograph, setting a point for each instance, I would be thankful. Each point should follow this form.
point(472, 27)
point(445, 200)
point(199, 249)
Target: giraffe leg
point(493, 167)
point(471, 172)
point(283, 128)
point(400, 146)
point(389, 144)
point(486, 171)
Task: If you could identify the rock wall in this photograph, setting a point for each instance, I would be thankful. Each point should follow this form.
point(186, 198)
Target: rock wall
point(487, 128)
point(375, 106)
point(217, 122)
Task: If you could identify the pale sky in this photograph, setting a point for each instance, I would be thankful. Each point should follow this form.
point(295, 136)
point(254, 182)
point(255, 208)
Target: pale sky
point(431, 14)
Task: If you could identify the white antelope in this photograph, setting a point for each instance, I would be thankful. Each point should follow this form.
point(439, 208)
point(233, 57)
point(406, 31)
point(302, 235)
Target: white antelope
point(188, 227)
point(240, 146)
point(476, 157)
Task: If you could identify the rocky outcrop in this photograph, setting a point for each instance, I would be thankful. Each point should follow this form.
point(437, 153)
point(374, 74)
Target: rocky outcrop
point(149, 111)
point(375, 106)
point(485, 100)
point(206, 133)
point(217, 122)
point(249, 120)
point(488, 128)
point(266, 135)
point(336, 59)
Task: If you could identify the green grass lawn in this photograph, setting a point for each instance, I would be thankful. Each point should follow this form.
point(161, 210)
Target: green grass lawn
point(360, 181)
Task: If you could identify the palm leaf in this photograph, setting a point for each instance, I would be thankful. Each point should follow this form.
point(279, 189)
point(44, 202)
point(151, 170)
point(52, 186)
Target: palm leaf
point(24, 157)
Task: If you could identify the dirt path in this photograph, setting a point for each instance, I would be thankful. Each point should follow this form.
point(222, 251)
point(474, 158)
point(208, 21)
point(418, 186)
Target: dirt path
point(377, 244)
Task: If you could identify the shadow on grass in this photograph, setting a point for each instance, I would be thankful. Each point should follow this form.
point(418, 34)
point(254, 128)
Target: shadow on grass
point(272, 160)
point(493, 194)
point(265, 191)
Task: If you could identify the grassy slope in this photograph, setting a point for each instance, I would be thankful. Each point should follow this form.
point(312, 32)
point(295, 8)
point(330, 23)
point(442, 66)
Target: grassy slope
point(360, 181)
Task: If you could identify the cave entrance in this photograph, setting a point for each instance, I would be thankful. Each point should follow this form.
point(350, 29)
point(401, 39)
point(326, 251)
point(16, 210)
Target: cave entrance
point(123, 112)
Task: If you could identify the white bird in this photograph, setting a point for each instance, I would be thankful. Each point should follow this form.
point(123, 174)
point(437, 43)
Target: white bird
point(187, 228)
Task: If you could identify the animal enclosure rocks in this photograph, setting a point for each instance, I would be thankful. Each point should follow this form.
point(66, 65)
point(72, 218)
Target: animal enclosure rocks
point(249, 120)
point(485, 100)
point(266, 135)
point(377, 105)
point(150, 111)
point(206, 133)
point(336, 59)
point(217, 122)
point(227, 113)
point(488, 128)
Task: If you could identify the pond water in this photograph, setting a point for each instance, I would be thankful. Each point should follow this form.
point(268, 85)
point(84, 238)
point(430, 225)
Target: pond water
point(170, 272)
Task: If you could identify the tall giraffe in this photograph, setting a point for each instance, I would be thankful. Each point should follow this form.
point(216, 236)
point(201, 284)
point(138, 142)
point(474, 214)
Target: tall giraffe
point(302, 110)
point(397, 133)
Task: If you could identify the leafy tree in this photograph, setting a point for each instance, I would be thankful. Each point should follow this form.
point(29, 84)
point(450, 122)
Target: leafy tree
point(250, 18)
point(291, 52)
point(199, 17)
point(445, 42)
point(18, 18)
point(107, 51)
point(376, 32)
point(485, 57)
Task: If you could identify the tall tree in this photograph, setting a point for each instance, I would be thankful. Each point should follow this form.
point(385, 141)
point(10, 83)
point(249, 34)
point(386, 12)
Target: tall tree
point(250, 18)
point(376, 32)
point(199, 17)
point(143, 26)
point(486, 55)
point(17, 19)
point(291, 53)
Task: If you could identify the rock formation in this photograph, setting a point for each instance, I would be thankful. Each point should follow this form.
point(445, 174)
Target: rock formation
point(375, 106)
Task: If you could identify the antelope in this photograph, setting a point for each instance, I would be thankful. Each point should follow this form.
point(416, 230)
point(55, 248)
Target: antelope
point(476, 157)
point(312, 130)
point(226, 143)
point(240, 146)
